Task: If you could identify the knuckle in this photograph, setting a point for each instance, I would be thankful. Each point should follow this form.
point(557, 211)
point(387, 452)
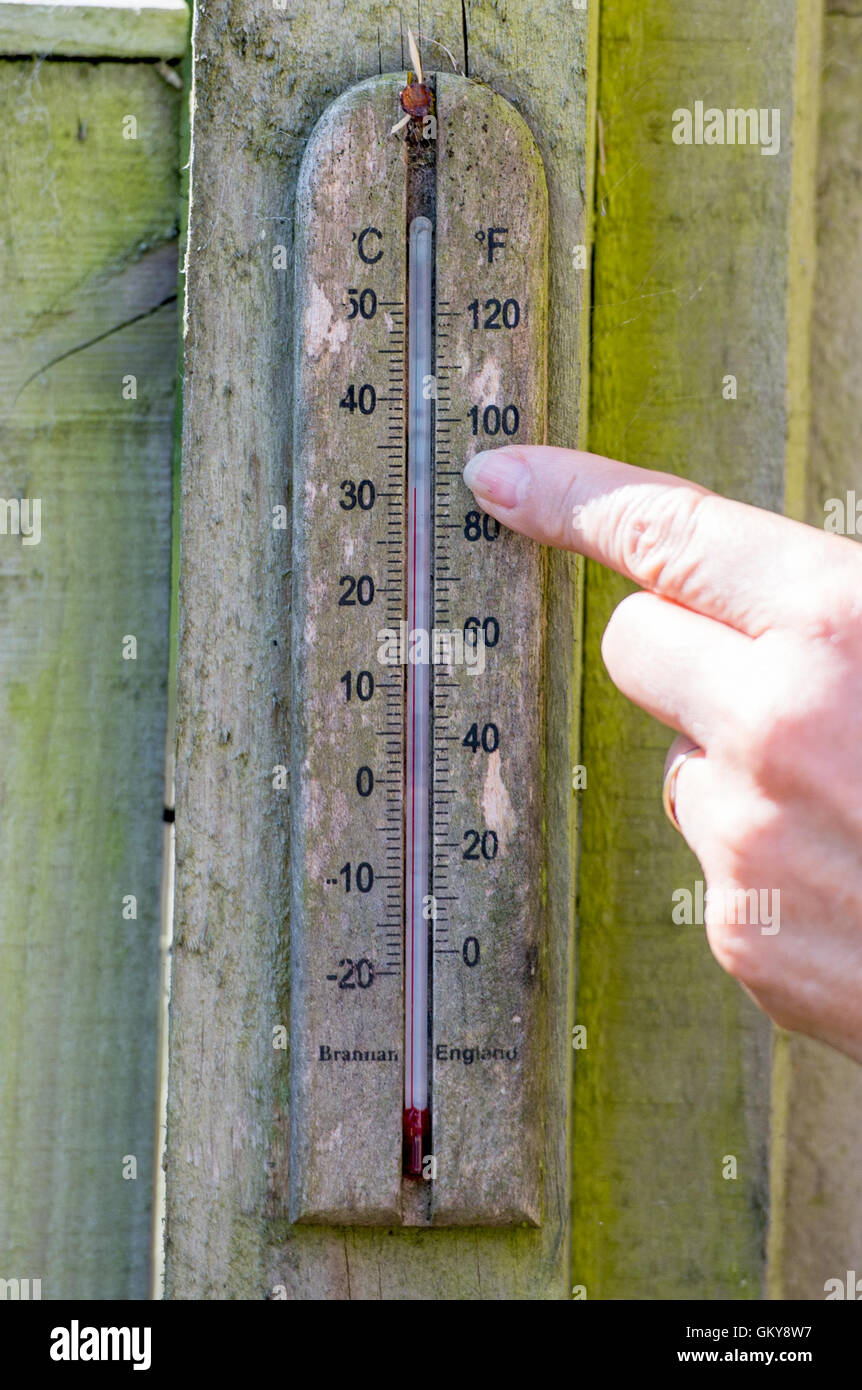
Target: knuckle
point(621, 625)
point(747, 833)
point(781, 701)
point(763, 741)
point(831, 606)
point(782, 734)
point(657, 542)
point(738, 949)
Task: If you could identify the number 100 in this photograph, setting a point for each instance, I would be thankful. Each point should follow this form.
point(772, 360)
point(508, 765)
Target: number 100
point(493, 419)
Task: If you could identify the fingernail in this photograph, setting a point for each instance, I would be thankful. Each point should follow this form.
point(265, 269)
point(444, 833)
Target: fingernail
point(497, 476)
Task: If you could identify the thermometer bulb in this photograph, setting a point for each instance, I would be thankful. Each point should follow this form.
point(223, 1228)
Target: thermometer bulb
point(417, 1135)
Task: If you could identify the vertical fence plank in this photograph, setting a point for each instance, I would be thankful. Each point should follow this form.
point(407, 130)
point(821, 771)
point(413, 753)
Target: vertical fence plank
point(818, 1200)
point(262, 78)
point(88, 276)
point(690, 289)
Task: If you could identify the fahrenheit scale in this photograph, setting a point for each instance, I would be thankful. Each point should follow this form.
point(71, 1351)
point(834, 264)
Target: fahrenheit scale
point(418, 999)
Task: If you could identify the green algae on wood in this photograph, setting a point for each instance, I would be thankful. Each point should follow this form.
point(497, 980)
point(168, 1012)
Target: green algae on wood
point(689, 373)
point(95, 28)
point(86, 364)
point(816, 1228)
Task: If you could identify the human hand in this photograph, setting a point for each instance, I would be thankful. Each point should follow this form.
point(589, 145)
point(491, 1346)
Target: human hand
point(748, 640)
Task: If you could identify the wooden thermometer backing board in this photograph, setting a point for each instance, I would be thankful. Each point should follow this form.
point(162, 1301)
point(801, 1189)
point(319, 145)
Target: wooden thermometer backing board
point(475, 171)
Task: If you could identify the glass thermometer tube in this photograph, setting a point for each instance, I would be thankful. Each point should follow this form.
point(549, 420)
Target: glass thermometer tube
point(417, 1120)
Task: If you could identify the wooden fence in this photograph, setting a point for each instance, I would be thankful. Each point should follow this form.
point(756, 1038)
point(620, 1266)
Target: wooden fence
point(712, 329)
point(88, 270)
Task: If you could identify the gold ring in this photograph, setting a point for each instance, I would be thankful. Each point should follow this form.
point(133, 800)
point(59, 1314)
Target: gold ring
point(668, 790)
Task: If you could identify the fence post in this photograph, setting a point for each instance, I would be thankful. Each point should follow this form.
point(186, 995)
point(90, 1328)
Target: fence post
point(261, 79)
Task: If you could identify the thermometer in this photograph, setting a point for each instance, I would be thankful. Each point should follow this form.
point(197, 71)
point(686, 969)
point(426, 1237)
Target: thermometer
point(418, 997)
point(418, 781)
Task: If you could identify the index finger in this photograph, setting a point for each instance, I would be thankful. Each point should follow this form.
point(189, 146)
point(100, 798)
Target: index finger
point(743, 566)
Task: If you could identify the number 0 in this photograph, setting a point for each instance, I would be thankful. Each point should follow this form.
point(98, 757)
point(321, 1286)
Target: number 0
point(470, 950)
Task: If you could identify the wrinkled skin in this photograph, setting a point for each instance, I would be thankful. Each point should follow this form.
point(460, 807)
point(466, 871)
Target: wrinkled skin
point(747, 639)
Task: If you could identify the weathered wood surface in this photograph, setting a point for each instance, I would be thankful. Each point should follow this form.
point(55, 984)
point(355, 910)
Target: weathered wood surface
point(88, 277)
point(95, 28)
point(345, 1113)
point(692, 258)
point(817, 1210)
point(261, 82)
point(488, 1110)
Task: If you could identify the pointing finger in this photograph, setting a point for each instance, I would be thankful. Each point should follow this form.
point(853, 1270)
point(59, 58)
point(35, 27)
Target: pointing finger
point(743, 566)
